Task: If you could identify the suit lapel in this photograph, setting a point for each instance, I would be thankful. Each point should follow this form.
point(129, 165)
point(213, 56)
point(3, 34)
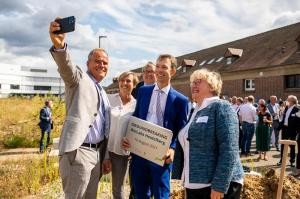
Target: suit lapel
point(170, 99)
point(146, 100)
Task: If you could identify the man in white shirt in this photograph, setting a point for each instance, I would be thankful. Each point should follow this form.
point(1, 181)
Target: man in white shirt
point(247, 115)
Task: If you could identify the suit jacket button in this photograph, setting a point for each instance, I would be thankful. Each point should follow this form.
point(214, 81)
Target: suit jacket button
point(95, 114)
point(90, 126)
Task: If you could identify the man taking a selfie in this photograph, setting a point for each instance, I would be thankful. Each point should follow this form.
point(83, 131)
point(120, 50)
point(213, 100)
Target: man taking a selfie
point(83, 156)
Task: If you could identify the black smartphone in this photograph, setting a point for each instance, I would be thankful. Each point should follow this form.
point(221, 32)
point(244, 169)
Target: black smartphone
point(66, 25)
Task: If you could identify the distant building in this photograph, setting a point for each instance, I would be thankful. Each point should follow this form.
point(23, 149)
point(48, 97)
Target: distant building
point(24, 80)
point(261, 65)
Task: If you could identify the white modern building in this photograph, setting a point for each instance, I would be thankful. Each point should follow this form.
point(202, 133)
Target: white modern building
point(25, 80)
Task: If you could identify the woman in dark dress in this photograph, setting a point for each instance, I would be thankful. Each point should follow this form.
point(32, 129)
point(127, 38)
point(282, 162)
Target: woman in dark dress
point(263, 131)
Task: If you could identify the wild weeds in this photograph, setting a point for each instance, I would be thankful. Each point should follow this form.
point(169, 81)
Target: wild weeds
point(26, 176)
point(19, 118)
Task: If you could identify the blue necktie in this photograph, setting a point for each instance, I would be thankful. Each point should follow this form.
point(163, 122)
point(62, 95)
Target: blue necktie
point(102, 109)
point(159, 111)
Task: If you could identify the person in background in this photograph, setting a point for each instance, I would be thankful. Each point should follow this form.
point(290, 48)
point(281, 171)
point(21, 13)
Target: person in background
point(239, 102)
point(46, 123)
point(149, 78)
point(159, 104)
point(274, 109)
point(263, 131)
point(290, 126)
point(282, 105)
point(122, 106)
point(296, 173)
point(234, 103)
point(83, 155)
point(248, 116)
point(207, 156)
point(245, 100)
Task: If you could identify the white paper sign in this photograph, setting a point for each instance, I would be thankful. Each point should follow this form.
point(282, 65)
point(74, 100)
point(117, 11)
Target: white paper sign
point(148, 140)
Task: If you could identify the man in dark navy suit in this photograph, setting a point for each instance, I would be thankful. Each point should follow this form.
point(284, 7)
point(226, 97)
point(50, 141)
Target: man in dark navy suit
point(162, 105)
point(46, 123)
point(290, 126)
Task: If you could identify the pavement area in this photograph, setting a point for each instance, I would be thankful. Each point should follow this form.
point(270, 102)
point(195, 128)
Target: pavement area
point(261, 166)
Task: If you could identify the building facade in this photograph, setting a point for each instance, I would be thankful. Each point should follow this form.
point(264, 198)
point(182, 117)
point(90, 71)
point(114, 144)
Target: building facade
point(24, 80)
point(260, 65)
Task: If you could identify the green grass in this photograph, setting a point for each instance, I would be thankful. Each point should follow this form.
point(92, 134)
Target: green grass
point(19, 118)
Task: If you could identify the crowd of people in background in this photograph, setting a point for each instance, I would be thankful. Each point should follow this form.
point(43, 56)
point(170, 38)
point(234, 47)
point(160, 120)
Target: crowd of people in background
point(269, 120)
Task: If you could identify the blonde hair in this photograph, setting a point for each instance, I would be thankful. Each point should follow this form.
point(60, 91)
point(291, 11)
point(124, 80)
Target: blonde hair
point(134, 77)
point(212, 78)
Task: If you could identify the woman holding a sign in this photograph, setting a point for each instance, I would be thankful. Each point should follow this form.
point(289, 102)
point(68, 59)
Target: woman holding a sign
point(122, 107)
point(207, 158)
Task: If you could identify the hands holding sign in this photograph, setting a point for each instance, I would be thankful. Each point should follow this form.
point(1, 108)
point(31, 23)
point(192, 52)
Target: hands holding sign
point(168, 158)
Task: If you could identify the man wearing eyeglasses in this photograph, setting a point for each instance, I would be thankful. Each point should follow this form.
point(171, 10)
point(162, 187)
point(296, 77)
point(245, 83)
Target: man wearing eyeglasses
point(149, 78)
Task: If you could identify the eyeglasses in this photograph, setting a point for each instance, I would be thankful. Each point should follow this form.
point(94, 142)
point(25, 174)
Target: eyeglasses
point(196, 82)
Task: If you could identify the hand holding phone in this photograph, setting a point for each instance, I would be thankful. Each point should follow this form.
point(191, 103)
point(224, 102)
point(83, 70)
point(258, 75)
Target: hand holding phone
point(58, 27)
point(66, 25)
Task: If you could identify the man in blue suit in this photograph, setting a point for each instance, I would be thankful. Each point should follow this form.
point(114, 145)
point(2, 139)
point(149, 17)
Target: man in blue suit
point(45, 123)
point(164, 106)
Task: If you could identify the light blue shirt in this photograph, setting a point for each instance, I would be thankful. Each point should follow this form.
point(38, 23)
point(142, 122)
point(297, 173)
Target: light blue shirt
point(97, 131)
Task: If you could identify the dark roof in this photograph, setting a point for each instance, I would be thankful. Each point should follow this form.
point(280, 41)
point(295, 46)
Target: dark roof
point(268, 49)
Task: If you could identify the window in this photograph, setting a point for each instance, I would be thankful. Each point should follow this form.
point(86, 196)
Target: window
point(14, 86)
point(211, 61)
point(202, 63)
point(42, 88)
point(184, 69)
point(249, 85)
point(228, 60)
point(292, 81)
point(38, 70)
point(220, 59)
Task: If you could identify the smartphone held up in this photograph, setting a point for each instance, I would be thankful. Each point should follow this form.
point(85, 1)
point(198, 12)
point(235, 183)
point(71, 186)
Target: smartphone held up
point(66, 25)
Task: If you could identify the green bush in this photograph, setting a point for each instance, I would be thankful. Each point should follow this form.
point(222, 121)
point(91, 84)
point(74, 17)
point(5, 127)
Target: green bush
point(15, 141)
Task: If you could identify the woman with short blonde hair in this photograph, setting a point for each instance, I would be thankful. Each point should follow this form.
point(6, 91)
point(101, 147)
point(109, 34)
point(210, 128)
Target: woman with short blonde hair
point(212, 78)
point(122, 107)
point(207, 155)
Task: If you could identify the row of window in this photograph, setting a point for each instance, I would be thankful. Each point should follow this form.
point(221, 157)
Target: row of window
point(291, 81)
point(37, 88)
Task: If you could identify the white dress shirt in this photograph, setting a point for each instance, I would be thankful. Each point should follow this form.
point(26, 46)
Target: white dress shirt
point(287, 115)
point(182, 137)
point(120, 115)
point(248, 113)
point(151, 115)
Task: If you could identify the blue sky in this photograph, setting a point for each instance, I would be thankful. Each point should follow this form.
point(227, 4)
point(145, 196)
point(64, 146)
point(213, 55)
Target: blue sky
point(137, 31)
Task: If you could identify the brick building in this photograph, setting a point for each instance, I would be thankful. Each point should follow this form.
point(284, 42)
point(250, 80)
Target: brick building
point(261, 65)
